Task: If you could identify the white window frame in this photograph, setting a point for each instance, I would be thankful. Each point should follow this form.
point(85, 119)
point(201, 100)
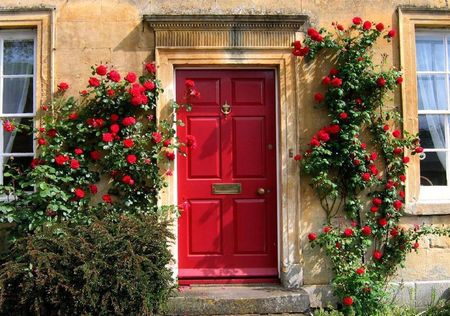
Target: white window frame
point(17, 34)
point(438, 193)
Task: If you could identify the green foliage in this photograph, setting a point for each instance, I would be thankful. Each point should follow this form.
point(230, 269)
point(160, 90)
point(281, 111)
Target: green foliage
point(359, 157)
point(115, 266)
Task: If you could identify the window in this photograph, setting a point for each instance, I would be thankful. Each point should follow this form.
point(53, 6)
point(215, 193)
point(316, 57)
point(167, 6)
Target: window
point(17, 96)
point(433, 74)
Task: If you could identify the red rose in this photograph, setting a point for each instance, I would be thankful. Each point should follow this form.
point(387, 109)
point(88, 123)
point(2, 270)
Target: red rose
point(189, 84)
point(336, 82)
point(418, 150)
point(131, 159)
point(326, 229)
point(357, 20)
point(114, 128)
point(402, 194)
point(79, 193)
point(348, 232)
point(356, 162)
point(386, 128)
point(170, 155)
point(394, 232)
point(111, 92)
point(366, 176)
point(101, 70)
point(396, 133)
point(127, 180)
point(114, 76)
point(382, 222)
point(131, 77)
point(128, 121)
point(333, 72)
point(358, 101)
point(319, 97)
point(303, 51)
point(167, 143)
point(374, 209)
point(107, 198)
point(373, 170)
point(128, 143)
point(93, 188)
point(377, 201)
point(380, 27)
point(52, 133)
point(61, 159)
point(35, 162)
point(315, 142)
point(397, 150)
point(340, 27)
point(8, 126)
point(42, 141)
point(392, 33)
point(323, 136)
point(366, 230)
point(151, 68)
point(326, 80)
point(298, 157)
point(149, 85)
point(74, 164)
point(147, 161)
point(114, 117)
point(399, 80)
point(363, 145)
point(312, 236)
point(63, 86)
point(373, 156)
point(44, 108)
point(157, 137)
point(315, 36)
point(94, 82)
point(367, 25)
point(360, 271)
point(347, 301)
point(83, 92)
point(402, 177)
point(377, 255)
point(397, 204)
point(343, 115)
point(95, 155)
point(191, 141)
point(381, 82)
point(73, 116)
point(107, 137)
point(415, 245)
point(334, 129)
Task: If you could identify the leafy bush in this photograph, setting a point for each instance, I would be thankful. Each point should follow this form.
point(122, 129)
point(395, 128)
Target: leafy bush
point(111, 267)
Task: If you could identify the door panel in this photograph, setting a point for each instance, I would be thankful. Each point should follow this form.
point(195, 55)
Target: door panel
point(228, 235)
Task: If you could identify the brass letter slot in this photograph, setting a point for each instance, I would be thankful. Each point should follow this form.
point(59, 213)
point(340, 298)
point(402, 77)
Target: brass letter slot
point(226, 188)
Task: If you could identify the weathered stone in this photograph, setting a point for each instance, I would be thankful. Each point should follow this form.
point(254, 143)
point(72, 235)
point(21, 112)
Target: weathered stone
point(237, 300)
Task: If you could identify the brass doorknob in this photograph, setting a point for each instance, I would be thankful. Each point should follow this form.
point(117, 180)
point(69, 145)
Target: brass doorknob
point(261, 191)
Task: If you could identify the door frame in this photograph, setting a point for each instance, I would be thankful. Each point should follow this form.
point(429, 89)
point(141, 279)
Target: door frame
point(169, 59)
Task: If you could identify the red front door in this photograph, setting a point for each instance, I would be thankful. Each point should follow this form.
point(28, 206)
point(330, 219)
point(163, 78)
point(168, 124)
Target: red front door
point(229, 227)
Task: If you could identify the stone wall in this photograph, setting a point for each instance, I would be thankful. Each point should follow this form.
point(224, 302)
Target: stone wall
point(113, 31)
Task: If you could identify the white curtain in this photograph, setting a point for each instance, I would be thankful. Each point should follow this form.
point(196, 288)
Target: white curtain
point(432, 90)
point(15, 97)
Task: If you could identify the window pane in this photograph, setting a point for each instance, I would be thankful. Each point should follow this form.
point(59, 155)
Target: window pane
point(430, 53)
point(432, 131)
point(432, 92)
point(15, 165)
point(18, 57)
point(16, 142)
point(18, 95)
point(432, 169)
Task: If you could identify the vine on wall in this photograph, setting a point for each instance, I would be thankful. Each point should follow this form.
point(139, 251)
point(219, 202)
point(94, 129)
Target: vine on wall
point(357, 165)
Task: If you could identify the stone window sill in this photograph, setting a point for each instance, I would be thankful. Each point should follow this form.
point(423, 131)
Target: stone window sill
point(438, 207)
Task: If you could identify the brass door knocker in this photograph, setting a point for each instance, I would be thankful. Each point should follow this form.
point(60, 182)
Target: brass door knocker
point(226, 109)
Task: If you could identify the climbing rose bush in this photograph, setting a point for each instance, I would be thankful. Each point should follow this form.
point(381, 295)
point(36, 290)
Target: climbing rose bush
point(101, 153)
point(357, 165)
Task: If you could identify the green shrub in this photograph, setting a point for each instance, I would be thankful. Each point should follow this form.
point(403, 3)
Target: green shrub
point(115, 266)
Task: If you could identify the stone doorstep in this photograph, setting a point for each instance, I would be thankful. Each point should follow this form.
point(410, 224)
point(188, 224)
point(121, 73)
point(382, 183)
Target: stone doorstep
point(238, 300)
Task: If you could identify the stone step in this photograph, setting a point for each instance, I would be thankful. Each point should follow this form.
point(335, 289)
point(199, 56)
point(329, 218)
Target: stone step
point(237, 300)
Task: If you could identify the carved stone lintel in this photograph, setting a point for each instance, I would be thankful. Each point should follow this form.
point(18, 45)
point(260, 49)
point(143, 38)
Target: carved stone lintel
point(225, 30)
